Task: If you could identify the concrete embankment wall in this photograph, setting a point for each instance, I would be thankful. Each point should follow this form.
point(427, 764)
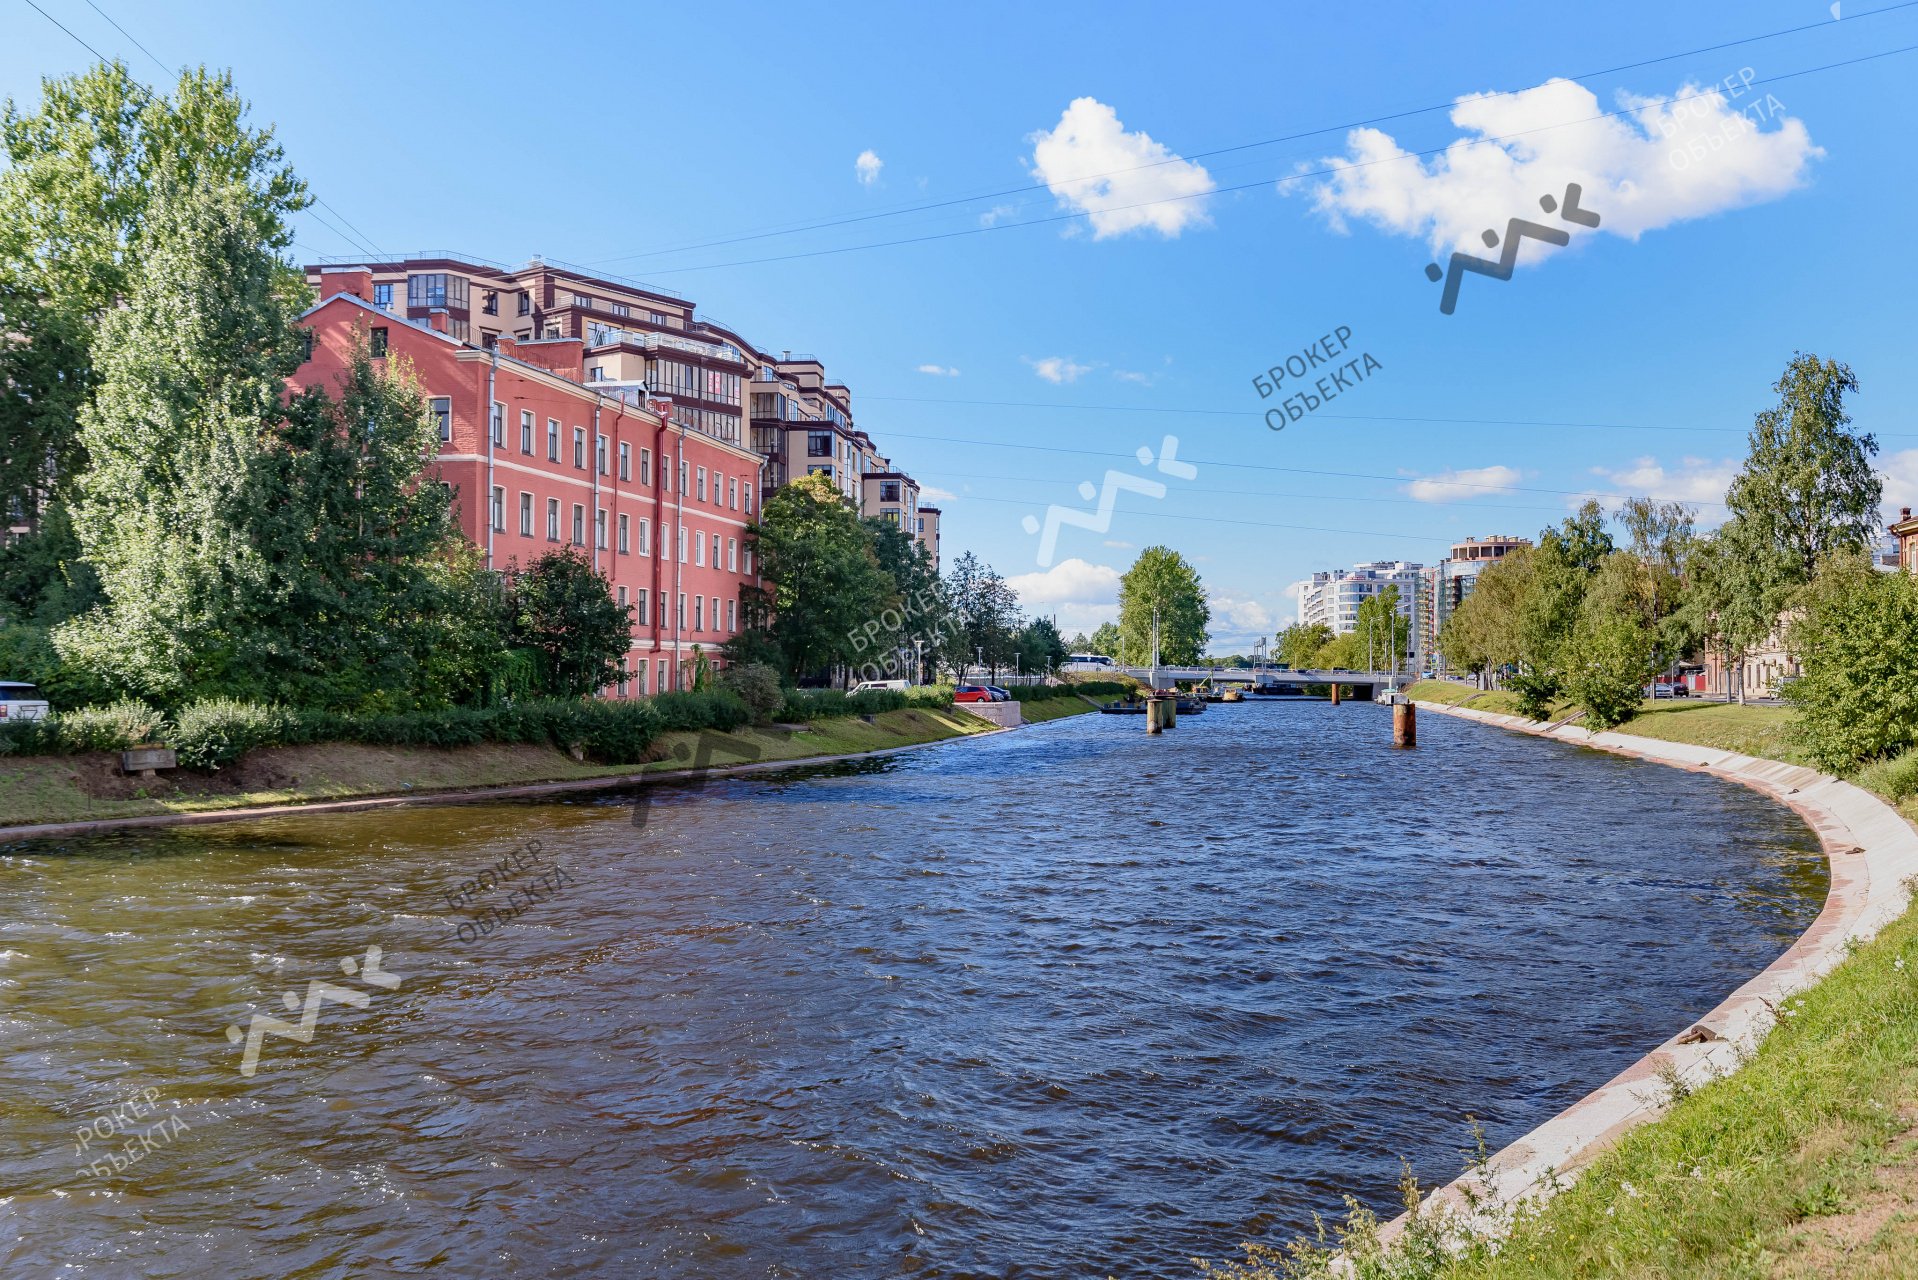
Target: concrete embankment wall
point(1873, 854)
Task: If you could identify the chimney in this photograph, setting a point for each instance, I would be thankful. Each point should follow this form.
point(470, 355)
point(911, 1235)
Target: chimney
point(436, 319)
point(1904, 514)
point(357, 281)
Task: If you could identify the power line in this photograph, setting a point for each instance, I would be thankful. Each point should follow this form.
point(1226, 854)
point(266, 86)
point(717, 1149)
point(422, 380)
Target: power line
point(76, 39)
point(164, 69)
point(1030, 188)
point(366, 241)
point(1284, 178)
point(1263, 466)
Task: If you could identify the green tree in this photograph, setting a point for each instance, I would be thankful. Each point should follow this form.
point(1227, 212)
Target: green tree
point(192, 370)
point(823, 580)
point(908, 639)
point(1162, 580)
point(563, 610)
point(1857, 643)
point(1383, 634)
point(1080, 643)
point(1039, 646)
point(78, 191)
point(985, 615)
point(1299, 644)
point(1105, 640)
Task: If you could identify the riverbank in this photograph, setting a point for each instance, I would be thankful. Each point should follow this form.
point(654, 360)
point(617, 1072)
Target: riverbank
point(1797, 1158)
point(40, 790)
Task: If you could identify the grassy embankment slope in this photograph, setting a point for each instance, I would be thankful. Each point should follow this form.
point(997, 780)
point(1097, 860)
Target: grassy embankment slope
point(1804, 1163)
point(40, 789)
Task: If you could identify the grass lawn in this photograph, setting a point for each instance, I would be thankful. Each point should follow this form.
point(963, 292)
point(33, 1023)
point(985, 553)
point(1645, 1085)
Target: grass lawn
point(35, 789)
point(1802, 1164)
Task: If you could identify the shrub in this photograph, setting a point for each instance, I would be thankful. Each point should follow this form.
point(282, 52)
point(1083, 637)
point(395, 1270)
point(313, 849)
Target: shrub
point(110, 728)
point(618, 732)
point(1607, 664)
point(757, 685)
point(218, 731)
point(720, 709)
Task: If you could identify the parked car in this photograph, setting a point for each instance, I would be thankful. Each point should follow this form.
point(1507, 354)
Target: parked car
point(998, 694)
point(869, 686)
point(1680, 689)
point(21, 701)
point(1662, 689)
point(973, 693)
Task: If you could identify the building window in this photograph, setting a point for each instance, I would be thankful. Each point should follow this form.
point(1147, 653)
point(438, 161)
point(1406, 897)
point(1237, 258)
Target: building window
point(699, 613)
point(732, 615)
point(579, 448)
point(819, 444)
point(525, 514)
point(732, 493)
point(579, 525)
point(645, 537)
point(599, 454)
point(618, 308)
point(625, 462)
point(646, 468)
point(552, 519)
point(552, 439)
point(489, 302)
point(662, 613)
point(625, 533)
point(682, 544)
point(663, 668)
point(378, 342)
point(682, 611)
point(599, 528)
point(699, 550)
point(702, 484)
point(715, 551)
point(732, 555)
point(526, 432)
point(499, 510)
point(443, 415)
point(499, 424)
point(746, 496)
point(436, 289)
point(639, 610)
point(383, 296)
point(682, 475)
point(746, 562)
point(889, 491)
point(525, 303)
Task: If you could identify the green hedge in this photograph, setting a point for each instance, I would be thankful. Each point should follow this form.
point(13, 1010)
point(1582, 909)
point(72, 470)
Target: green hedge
point(218, 731)
point(827, 704)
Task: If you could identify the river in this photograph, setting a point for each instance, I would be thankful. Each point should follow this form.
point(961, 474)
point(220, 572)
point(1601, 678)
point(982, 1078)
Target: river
point(1070, 1001)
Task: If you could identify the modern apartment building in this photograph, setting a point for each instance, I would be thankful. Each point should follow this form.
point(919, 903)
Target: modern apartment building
point(641, 342)
point(540, 455)
point(1334, 597)
point(1444, 586)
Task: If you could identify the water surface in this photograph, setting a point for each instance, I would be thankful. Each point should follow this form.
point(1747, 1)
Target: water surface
point(1066, 1002)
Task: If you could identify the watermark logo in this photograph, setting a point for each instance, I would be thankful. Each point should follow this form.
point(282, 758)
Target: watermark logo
point(1099, 520)
point(700, 757)
point(318, 993)
point(127, 1118)
point(1344, 376)
point(1706, 107)
point(1516, 230)
point(909, 646)
point(521, 894)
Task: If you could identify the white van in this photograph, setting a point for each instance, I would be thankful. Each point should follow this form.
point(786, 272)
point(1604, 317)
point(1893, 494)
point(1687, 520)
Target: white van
point(868, 686)
point(21, 701)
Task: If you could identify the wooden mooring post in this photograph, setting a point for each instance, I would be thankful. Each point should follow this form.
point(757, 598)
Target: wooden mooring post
point(1405, 731)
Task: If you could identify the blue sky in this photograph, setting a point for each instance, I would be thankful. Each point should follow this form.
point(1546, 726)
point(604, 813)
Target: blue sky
point(1628, 361)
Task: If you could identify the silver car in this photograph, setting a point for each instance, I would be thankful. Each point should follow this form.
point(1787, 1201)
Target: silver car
point(21, 701)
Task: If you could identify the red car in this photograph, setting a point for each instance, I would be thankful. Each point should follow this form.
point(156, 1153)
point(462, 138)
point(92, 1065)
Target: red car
point(972, 693)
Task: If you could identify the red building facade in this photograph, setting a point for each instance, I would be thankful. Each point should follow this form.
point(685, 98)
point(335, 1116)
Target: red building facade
point(537, 459)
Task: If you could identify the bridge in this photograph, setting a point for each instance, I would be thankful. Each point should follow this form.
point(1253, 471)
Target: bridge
point(1267, 677)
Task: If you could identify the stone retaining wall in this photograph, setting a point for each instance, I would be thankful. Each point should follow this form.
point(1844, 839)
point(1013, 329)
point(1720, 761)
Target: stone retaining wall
point(1873, 854)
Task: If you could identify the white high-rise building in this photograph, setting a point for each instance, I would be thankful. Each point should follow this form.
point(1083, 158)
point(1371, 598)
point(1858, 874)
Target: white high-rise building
point(1334, 597)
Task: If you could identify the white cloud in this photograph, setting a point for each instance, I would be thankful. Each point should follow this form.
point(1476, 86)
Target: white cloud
point(1118, 545)
point(998, 213)
point(933, 493)
point(1457, 486)
point(1096, 168)
point(1240, 615)
point(1638, 171)
point(1073, 581)
point(1127, 375)
point(939, 370)
point(1058, 369)
point(1695, 480)
point(867, 167)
